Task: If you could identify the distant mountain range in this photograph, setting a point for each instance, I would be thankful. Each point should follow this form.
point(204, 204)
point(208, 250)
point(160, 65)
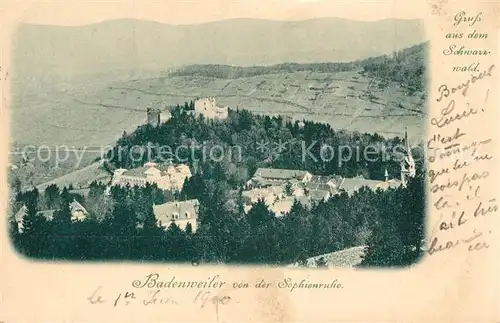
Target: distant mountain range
point(137, 45)
point(406, 66)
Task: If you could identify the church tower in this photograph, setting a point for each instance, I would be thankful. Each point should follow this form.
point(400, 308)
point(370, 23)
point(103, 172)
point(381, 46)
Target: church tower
point(408, 163)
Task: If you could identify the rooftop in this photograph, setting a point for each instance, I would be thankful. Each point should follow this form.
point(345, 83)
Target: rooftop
point(183, 209)
point(320, 179)
point(75, 207)
point(47, 214)
point(284, 206)
point(318, 194)
point(319, 186)
point(164, 169)
point(279, 174)
point(350, 185)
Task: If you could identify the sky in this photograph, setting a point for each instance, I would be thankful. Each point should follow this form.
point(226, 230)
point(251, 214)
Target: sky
point(81, 12)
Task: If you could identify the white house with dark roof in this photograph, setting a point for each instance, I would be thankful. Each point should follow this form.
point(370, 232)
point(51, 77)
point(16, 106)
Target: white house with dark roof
point(166, 177)
point(179, 212)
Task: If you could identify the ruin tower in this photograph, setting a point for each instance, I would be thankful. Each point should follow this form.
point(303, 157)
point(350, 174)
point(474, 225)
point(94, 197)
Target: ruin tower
point(153, 116)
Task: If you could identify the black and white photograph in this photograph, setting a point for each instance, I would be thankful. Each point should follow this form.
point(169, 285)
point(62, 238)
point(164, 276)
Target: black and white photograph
point(245, 141)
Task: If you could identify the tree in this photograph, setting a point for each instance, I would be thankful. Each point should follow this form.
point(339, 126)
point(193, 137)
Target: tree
point(16, 184)
point(412, 223)
point(34, 236)
point(384, 249)
point(259, 214)
point(296, 233)
point(397, 236)
point(52, 196)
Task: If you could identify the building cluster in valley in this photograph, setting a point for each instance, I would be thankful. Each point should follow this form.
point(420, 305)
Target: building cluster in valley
point(278, 188)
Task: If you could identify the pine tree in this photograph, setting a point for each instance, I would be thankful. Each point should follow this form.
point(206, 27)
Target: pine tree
point(411, 226)
point(34, 237)
point(288, 189)
point(259, 214)
point(52, 196)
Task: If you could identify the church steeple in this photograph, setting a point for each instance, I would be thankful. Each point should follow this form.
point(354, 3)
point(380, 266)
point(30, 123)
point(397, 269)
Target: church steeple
point(408, 163)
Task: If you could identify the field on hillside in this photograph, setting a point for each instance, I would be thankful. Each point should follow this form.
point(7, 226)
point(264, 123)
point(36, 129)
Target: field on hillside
point(98, 113)
point(346, 100)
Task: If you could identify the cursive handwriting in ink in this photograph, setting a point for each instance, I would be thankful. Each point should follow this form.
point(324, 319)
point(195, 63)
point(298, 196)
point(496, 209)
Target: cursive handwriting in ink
point(437, 246)
point(447, 140)
point(127, 296)
point(435, 174)
point(482, 210)
point(447, 119)
point(156, 299)
point(445, 92)
point(459, 184)
point(457, 222)
point(206, 297)
point(473, 148)
point(442, 203)
point(95, 298)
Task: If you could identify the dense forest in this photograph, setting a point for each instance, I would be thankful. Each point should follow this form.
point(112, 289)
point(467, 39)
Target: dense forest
point(407, 67)
point(122, 225)
point(187, 139)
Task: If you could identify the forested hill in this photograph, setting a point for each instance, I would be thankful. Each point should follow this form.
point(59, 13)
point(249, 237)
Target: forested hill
point(407, 67)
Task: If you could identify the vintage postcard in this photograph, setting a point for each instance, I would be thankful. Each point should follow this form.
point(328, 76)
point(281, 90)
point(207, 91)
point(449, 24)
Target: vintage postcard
point(249, 161)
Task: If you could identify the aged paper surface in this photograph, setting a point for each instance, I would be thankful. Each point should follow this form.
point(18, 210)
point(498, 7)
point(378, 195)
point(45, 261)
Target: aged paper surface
point(456, 280)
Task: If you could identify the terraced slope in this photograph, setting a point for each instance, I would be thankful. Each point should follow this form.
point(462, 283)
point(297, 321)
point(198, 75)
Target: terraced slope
point(346, 100)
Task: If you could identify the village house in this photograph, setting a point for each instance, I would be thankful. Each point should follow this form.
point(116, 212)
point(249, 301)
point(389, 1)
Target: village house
point(284, 206)
point(408, 171)
point(166, 177)
point(78, 213)
point(23, 211)
point(265, 177)
point(352, 185)
point(278, 198)
point(269, 195)
point(179, 212)
point(209, 109)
